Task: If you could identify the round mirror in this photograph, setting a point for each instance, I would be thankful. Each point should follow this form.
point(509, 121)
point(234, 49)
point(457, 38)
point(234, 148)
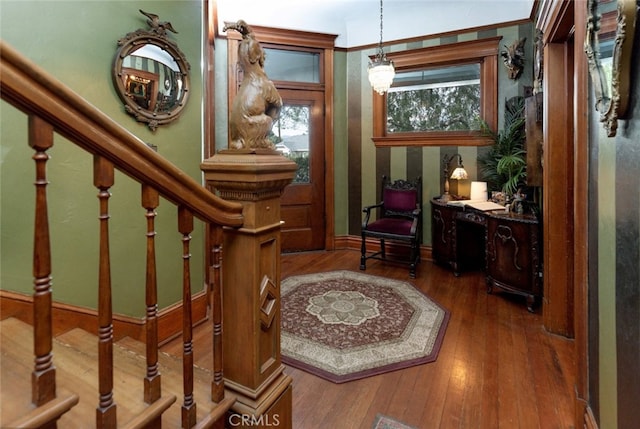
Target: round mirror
point(151, 74)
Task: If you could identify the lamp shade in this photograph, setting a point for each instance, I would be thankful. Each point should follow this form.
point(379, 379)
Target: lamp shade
point(381, 74)
point(459, 174)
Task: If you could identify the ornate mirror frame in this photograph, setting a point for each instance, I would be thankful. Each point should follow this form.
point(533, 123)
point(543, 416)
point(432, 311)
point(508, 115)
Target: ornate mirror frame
point(612, 96)
point(140, 89)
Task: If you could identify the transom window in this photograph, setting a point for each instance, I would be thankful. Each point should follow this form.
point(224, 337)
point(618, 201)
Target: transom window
point(292, 66)
point(440, 96)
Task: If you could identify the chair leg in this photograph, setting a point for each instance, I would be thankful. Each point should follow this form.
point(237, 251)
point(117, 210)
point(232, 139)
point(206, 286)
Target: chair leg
point(383, 253)
point(415, 257)
point(363, 254)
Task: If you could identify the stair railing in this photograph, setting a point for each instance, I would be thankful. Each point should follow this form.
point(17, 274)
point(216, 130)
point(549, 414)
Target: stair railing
point(53, 108)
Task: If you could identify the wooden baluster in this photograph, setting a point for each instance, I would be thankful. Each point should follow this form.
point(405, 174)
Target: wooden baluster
point(185, 226)
point(103, 179)
point(43, 378)
point(152, 385)
point(217, 384)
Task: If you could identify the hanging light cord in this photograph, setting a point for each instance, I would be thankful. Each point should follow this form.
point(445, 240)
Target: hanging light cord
point(381, 69)
point(380, 50)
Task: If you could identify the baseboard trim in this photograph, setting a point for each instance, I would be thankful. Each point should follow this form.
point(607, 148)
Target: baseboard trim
point(66, 317)
point(352, 242)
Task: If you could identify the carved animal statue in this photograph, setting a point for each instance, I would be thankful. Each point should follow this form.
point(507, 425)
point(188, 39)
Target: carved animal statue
point(257, 104)
point(513, 58)
point(538, 62)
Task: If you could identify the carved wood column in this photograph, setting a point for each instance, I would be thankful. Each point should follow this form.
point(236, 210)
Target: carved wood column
point(253, 369)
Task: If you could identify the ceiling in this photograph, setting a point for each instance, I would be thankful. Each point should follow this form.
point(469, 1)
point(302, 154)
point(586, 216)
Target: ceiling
point(357, 22)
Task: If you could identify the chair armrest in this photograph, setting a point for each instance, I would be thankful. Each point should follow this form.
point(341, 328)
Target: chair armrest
point(416, 220)
point(369, 208)
point(367, 211)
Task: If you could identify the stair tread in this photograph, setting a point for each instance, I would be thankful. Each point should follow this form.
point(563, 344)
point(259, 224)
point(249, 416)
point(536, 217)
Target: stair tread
point(75, 358)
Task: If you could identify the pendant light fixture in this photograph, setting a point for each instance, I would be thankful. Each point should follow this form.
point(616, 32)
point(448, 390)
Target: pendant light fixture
point(381, 70)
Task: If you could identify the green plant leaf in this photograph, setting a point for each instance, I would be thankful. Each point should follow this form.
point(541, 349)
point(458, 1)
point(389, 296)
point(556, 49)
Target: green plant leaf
point(503, 166)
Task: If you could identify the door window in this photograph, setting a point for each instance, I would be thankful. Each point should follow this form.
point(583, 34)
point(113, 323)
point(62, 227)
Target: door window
point(291, 137)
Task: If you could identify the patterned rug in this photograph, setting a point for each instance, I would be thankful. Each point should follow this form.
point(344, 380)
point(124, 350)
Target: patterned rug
point(345, 325)
point(384, 422)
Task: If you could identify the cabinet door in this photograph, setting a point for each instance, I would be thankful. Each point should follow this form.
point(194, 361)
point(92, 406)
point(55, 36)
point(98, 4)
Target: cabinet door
point(442, 234)
point(512, 257)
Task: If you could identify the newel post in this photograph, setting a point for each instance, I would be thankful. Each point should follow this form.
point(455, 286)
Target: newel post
point(253, 369)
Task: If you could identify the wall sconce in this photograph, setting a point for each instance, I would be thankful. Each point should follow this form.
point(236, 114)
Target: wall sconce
point(381, 70)
point(458, 174)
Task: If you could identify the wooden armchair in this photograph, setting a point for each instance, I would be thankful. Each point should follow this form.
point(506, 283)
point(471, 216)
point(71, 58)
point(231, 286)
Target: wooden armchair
point(399, 219)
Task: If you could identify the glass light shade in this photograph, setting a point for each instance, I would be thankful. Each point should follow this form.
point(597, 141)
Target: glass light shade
point(459, 174)
point(381, 74)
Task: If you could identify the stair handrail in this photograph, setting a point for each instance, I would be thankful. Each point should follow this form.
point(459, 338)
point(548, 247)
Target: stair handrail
point(34, 91)
point(53, 107)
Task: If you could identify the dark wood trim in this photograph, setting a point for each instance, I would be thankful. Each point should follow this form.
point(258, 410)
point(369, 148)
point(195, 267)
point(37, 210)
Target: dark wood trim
point(558, 178)
point(433, 139)
point(442, 35)
point(352, 242)
point(66, 317)
point(557, 184)
point(289, 37)
point(482, 51)
point(450, 53)
point(581, 222)
point(210, 23)
point(555, 19)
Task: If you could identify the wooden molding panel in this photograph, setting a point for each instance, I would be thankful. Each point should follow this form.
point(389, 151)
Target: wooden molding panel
point(558, 180)
point(353, 242)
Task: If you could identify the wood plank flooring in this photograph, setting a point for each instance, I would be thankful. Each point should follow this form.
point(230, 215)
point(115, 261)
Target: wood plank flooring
point(497, 368)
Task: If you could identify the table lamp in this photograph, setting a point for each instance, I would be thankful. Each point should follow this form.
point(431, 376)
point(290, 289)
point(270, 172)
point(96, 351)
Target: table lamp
point(459, 173)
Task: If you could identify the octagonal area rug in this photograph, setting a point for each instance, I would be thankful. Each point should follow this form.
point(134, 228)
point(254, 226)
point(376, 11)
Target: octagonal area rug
point(346, 325)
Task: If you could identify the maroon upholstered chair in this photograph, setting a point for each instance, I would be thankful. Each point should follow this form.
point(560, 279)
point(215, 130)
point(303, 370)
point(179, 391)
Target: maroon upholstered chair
point(399, 219)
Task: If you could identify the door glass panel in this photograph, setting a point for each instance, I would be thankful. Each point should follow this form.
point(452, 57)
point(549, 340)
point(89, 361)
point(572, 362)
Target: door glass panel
point(293, 66)
point(291, 137)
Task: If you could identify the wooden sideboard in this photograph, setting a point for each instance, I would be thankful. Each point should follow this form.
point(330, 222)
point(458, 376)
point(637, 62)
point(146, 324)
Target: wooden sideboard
point(503, 244)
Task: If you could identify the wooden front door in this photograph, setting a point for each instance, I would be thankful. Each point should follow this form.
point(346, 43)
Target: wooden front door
point(301, 133)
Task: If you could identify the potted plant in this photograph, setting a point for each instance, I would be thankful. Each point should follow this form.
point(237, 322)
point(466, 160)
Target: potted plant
point(504, 165)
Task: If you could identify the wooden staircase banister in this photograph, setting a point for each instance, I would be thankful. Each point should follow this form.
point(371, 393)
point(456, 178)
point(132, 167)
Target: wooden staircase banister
point(52, 108)
point(48, 412)
point(151, 413)
point(25, 85)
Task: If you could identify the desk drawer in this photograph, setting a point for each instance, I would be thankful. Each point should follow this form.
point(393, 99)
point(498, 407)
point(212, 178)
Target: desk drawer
point(473, 217)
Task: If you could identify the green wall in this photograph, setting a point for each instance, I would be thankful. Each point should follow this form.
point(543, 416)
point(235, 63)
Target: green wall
point(614, 263)
point(75, 42)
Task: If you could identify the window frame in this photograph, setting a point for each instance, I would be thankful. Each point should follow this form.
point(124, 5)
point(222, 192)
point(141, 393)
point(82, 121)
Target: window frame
point(484, 52)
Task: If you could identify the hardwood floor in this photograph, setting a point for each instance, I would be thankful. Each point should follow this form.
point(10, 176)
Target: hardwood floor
point(497, 368)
